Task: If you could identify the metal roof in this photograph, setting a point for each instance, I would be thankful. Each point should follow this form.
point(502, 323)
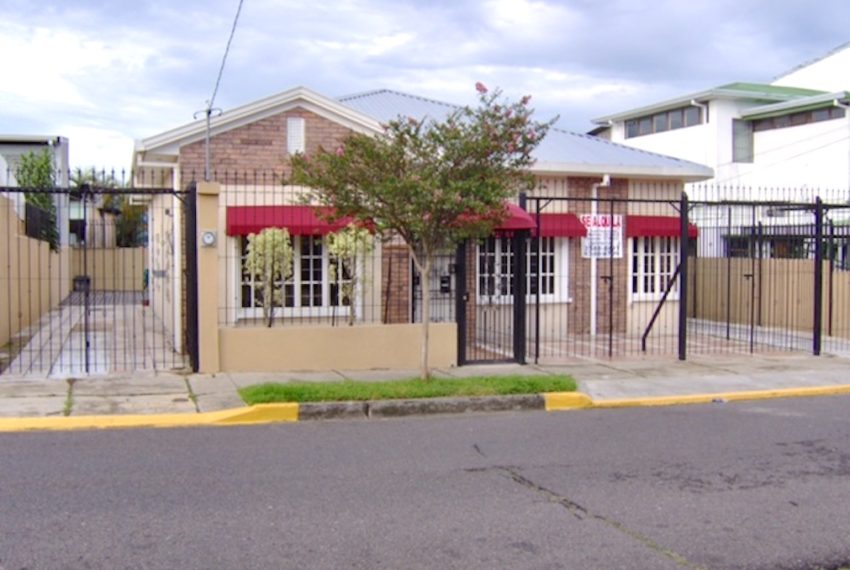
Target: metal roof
point(804, 104)
point(385, 105)
point(560, 152)
point(748, 91)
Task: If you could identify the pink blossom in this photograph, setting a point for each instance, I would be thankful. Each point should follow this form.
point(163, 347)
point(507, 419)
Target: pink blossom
point(340, 151)
point(480, 87)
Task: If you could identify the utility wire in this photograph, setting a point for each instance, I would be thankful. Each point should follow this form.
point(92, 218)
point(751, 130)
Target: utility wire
point(226, 51)
point(210, 109)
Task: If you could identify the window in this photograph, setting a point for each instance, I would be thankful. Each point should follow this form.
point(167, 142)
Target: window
point(659, 122)
point(799, 118)
point(742, 141)
point(311, 288)
point(666, 121)
point(693, 116)
point(653, 263)
point(295, 139)
point(496, 269)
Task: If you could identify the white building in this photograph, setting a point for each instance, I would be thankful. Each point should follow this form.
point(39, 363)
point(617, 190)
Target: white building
point(792, 133)
point(784, 141)
point(13, 147)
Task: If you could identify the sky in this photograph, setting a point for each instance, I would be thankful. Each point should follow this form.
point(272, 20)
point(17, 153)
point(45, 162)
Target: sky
point(104, 73)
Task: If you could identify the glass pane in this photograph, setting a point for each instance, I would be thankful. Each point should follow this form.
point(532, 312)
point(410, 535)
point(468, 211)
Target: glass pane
point(659, 122)
point(693, 116)
point(675, 119)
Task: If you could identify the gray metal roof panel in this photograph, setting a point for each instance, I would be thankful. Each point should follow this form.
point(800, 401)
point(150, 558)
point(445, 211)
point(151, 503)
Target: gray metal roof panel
point(561, 150)
point(385, 105)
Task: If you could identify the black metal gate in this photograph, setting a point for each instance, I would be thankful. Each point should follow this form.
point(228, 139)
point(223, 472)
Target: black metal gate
point(93, 278)
point(616, 275)
point(491, 275)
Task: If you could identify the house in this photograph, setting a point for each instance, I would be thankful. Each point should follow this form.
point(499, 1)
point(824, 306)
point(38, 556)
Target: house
point(13, 147)
point(786, 141)
point(603, 216)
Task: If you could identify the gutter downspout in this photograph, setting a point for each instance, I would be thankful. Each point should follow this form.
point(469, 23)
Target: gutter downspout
point(594, 209)
point(841, 105)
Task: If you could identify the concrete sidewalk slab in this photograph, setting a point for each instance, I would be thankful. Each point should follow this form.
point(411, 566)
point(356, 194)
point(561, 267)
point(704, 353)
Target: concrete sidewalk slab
point(132, 404)
point(31, 407)
point(242, 379)
point(143, 384)
point(44, 389)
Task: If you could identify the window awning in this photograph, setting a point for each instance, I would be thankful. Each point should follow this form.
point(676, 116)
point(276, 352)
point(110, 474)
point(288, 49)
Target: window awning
point(300, 220)
point(561, 225)
point(517, 219)
point(657, 226)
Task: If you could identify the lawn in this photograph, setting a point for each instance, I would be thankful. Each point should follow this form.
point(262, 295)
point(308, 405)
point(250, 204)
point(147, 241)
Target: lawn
point(405, 389)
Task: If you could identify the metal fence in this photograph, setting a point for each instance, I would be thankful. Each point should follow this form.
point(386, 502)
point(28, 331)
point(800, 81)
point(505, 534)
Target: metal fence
point(600, 272)
point(98, 287)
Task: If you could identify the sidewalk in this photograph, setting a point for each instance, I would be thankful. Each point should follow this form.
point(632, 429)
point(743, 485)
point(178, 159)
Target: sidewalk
point(602, 381)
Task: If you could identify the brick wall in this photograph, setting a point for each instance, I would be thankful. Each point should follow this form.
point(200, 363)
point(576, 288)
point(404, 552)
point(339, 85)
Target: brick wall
point(259, 147)
point(395, 284)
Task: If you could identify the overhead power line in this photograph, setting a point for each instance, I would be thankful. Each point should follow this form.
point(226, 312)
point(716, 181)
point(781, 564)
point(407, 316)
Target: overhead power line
point(210, 110)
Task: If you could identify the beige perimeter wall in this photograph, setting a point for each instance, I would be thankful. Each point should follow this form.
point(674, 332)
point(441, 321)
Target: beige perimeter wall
point(111, 268)
point(33, 279)
point(367, 347)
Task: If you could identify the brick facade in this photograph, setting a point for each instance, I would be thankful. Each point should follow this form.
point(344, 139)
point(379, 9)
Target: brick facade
point(258, 147)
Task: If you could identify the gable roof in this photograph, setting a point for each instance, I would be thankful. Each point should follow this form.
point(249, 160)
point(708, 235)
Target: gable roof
point(386, 105)
point(739, 90)
point(561, 152)
point(169, 142)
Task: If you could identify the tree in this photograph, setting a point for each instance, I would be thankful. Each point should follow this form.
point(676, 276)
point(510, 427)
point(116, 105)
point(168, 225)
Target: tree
point(36, 176)
point(269, 261)
point(130, 219)
point(346, 247)
point(433, 183)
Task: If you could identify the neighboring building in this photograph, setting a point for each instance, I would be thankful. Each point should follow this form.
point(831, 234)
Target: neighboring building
point(785, 141)
point(249, 147)
point(13, 147)
point(752, 135)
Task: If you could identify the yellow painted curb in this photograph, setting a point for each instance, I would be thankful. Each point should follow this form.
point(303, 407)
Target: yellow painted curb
point(260, 413)
point(566, 401)
point(724, 396)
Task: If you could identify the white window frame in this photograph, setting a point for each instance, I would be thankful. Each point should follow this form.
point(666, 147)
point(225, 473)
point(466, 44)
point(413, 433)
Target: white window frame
point(503, 262)
point(652, 261)
point(296, 138)
point(295, 282)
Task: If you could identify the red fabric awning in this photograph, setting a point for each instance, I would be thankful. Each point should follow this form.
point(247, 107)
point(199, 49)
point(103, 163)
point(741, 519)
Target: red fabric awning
point(657, 226)
point(561, 225)
point(298, 220)
point(518, 219)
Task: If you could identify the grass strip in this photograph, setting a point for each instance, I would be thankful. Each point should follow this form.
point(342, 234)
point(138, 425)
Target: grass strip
point(404, 389)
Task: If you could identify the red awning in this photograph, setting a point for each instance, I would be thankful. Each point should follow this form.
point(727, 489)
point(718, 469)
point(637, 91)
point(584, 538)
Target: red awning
point(657, 226)
point(561, 225)
point(298, 220)
point(518, 219)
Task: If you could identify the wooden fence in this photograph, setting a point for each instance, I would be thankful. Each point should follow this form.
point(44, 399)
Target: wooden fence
point(768, 292)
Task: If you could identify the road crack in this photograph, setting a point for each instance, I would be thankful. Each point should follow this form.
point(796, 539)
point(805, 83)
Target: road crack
point(582, 513)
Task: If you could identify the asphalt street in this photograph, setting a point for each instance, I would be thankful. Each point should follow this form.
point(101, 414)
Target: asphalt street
point(761, 485)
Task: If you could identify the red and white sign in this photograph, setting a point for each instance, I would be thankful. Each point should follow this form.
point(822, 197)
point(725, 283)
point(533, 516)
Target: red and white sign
point(604, 236)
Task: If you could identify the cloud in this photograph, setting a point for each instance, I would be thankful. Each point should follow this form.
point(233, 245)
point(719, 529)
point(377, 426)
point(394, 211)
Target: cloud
point(109, 72)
